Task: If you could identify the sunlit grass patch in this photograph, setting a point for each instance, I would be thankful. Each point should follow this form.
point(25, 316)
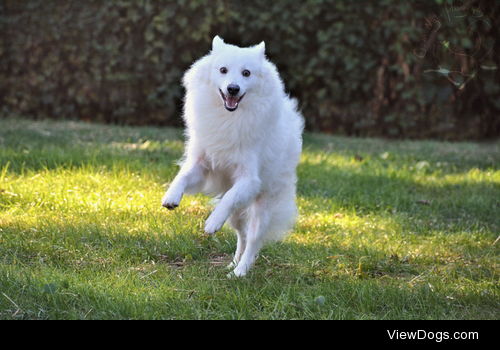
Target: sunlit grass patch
point(387, 229)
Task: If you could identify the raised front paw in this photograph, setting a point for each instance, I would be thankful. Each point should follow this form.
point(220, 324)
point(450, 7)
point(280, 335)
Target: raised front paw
point(171, 200)
point(214, 223)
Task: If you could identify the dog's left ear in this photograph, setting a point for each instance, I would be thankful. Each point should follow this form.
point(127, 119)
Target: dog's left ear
point(217, 42)
point(261, 48)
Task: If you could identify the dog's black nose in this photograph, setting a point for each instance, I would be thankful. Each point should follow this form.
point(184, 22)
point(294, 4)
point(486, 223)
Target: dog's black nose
point(233, 89)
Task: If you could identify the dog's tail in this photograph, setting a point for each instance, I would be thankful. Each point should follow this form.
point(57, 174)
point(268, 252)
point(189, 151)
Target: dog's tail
point(284, 214)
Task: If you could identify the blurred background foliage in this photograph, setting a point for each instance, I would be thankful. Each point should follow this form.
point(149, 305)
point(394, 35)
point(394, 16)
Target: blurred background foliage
point(371, 68)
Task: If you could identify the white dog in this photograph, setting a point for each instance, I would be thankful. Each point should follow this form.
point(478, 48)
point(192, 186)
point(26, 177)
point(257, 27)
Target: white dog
point(243, 146)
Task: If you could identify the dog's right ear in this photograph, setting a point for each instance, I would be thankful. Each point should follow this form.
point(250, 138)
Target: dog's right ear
point(217, 43)
point(261, 48)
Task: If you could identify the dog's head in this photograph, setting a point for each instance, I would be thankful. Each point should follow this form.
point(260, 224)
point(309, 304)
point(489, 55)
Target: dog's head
point(235, 71)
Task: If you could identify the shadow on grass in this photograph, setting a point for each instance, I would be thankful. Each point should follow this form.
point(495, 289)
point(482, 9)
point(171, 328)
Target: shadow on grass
point(368, 185)
point(374, 185)
point(54, 145)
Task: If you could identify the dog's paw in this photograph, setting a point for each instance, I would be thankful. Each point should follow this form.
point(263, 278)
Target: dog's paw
point(236, 273)
point(212, 227)
point(171, 200)
point(214, 223)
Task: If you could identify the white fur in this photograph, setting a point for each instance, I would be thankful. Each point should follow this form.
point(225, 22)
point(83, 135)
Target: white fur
point(247, 157)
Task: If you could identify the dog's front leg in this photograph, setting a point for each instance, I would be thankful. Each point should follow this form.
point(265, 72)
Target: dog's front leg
point(244, 190)
point(189, 178)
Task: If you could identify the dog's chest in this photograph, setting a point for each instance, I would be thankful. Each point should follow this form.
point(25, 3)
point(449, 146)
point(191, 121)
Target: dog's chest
point(225, 147)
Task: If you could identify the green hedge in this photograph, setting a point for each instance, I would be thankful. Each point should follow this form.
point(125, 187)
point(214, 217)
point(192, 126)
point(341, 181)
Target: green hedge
point(357, 68)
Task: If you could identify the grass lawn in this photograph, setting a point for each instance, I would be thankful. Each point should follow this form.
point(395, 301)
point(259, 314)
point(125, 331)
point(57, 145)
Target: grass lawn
point(388, 230)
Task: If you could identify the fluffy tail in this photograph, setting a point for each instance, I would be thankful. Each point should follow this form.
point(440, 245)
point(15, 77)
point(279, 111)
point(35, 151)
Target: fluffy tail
point(284, 214)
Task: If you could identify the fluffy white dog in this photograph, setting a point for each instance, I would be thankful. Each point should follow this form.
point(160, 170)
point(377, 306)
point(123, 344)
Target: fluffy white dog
point(243, 146)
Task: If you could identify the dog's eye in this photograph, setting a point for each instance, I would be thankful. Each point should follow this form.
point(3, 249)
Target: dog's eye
point(246, 73)
point(223, 70)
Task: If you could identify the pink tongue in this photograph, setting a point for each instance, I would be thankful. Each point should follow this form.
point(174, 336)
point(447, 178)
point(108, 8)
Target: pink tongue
point(231, 101)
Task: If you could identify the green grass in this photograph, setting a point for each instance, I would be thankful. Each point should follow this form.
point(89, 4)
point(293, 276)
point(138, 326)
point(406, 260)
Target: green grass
point(388, 230)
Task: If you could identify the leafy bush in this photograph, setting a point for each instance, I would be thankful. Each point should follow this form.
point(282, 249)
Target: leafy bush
point(370, 68)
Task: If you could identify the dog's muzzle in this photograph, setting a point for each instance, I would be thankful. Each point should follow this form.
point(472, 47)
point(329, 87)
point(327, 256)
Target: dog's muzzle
point(231, 100)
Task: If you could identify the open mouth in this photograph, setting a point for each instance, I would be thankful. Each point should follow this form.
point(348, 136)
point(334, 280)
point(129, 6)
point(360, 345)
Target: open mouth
point(231, 102)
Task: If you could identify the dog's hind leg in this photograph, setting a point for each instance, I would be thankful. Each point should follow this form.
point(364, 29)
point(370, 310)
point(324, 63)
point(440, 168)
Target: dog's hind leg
point(258, 225)
point(238, 221)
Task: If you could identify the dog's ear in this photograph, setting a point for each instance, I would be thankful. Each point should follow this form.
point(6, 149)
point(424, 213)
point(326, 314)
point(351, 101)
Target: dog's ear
point(217, 43)
point(261, 49)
